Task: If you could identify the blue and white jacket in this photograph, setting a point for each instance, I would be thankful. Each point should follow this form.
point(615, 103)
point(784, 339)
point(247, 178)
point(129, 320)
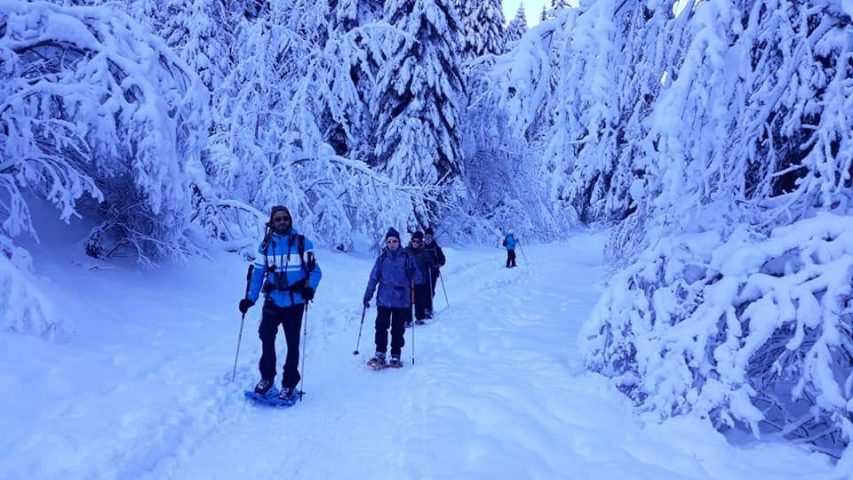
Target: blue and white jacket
point(282, 270)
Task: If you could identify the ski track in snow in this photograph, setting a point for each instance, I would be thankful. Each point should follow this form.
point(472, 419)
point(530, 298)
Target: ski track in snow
point(142, 389)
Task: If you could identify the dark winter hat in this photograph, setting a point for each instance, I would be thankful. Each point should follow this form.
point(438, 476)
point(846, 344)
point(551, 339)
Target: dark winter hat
point(428, 231)
point(276, 209)
point(392, 233)
point(418, 236)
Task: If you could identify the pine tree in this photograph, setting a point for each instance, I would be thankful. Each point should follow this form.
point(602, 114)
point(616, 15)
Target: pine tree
point(482, 27)
point(420, 87)
point(518, 26)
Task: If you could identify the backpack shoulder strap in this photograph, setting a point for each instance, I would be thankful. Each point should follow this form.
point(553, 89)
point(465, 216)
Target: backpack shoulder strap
point(300, 247)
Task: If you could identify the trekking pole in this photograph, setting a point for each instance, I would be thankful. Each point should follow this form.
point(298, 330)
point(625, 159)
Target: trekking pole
point(363, 311)
point(242, 320)
point(239, 339)
point(522, 253)
point(431, 294)
point(441, 279)
point(413, 324)
point(304, 341)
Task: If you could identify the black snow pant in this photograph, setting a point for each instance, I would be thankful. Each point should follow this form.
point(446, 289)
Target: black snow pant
point(434, 274)
point(423, 300)
point(510, 258)
point(396, 319)
point(290, 318)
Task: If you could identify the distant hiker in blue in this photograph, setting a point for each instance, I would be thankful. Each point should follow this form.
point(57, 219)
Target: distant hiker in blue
point(394, 273)
point(425, 262)
point(287, 273)
point(510, 242)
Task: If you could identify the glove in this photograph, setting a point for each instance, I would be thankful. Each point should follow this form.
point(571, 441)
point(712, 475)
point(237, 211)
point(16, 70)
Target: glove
point(307, 293)
point(245, 305)
point(366, 304)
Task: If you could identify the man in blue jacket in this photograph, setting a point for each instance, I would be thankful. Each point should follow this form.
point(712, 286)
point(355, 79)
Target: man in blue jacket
point(510, 243)
point(288, 275)
point(394, 273)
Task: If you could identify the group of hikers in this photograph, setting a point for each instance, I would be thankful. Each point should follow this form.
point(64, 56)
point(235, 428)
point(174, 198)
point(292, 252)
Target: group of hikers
point(287, 274)
point(405, 277)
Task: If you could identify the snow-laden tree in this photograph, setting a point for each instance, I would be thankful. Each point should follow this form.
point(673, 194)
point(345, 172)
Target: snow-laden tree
point(780, 144)
point(363, 43)
point(527, 78)
point(586, 121)
point(93, 107)
point(504, 187)
point(418, 100)
point(610, 70)
point(739, 310)
point(743, 329)
point(273, 148)
point(209, 42)
point(481, 28)
point(517, 26)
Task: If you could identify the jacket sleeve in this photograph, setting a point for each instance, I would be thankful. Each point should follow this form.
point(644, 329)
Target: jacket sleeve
point(417, 274)
point(373, 280)
point(316, 274)
point(258, 275)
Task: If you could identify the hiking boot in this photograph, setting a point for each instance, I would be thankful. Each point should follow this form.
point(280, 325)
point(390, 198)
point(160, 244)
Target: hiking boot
point(419, 322)
point(395, 362)
point(264, 386)
point(287, 394)
point(409, 324)
point(378, 360)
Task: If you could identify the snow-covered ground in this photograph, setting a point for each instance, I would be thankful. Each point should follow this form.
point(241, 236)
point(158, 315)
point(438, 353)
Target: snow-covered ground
point(141, 388)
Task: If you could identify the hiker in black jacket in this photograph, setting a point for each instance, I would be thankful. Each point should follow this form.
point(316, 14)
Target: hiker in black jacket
point(430, 245)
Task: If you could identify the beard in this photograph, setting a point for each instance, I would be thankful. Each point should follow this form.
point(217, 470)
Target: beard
point(282, 228)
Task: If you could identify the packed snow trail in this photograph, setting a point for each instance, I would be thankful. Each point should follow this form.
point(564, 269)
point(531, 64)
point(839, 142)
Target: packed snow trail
point(142, 388)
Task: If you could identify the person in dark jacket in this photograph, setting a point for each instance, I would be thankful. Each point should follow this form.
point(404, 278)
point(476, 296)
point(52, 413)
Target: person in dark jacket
point(438, 255)
point(288, 275)
point(394, 273)
point(425, 262)
point(510, 243)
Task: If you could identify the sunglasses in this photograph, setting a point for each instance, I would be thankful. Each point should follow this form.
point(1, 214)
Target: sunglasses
point(280, 219)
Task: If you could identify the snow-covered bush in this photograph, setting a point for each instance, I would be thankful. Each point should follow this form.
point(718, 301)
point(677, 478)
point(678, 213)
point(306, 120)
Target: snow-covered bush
point(23, 307)
point(743, 329)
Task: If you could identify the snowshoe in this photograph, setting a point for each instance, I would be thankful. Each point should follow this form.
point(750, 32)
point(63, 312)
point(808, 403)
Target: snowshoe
point(395, 362)
point(274, 398)
point(377, 362)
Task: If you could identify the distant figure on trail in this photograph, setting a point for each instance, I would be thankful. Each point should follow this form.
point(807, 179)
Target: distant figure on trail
point(510, 242)
point(288, 275)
